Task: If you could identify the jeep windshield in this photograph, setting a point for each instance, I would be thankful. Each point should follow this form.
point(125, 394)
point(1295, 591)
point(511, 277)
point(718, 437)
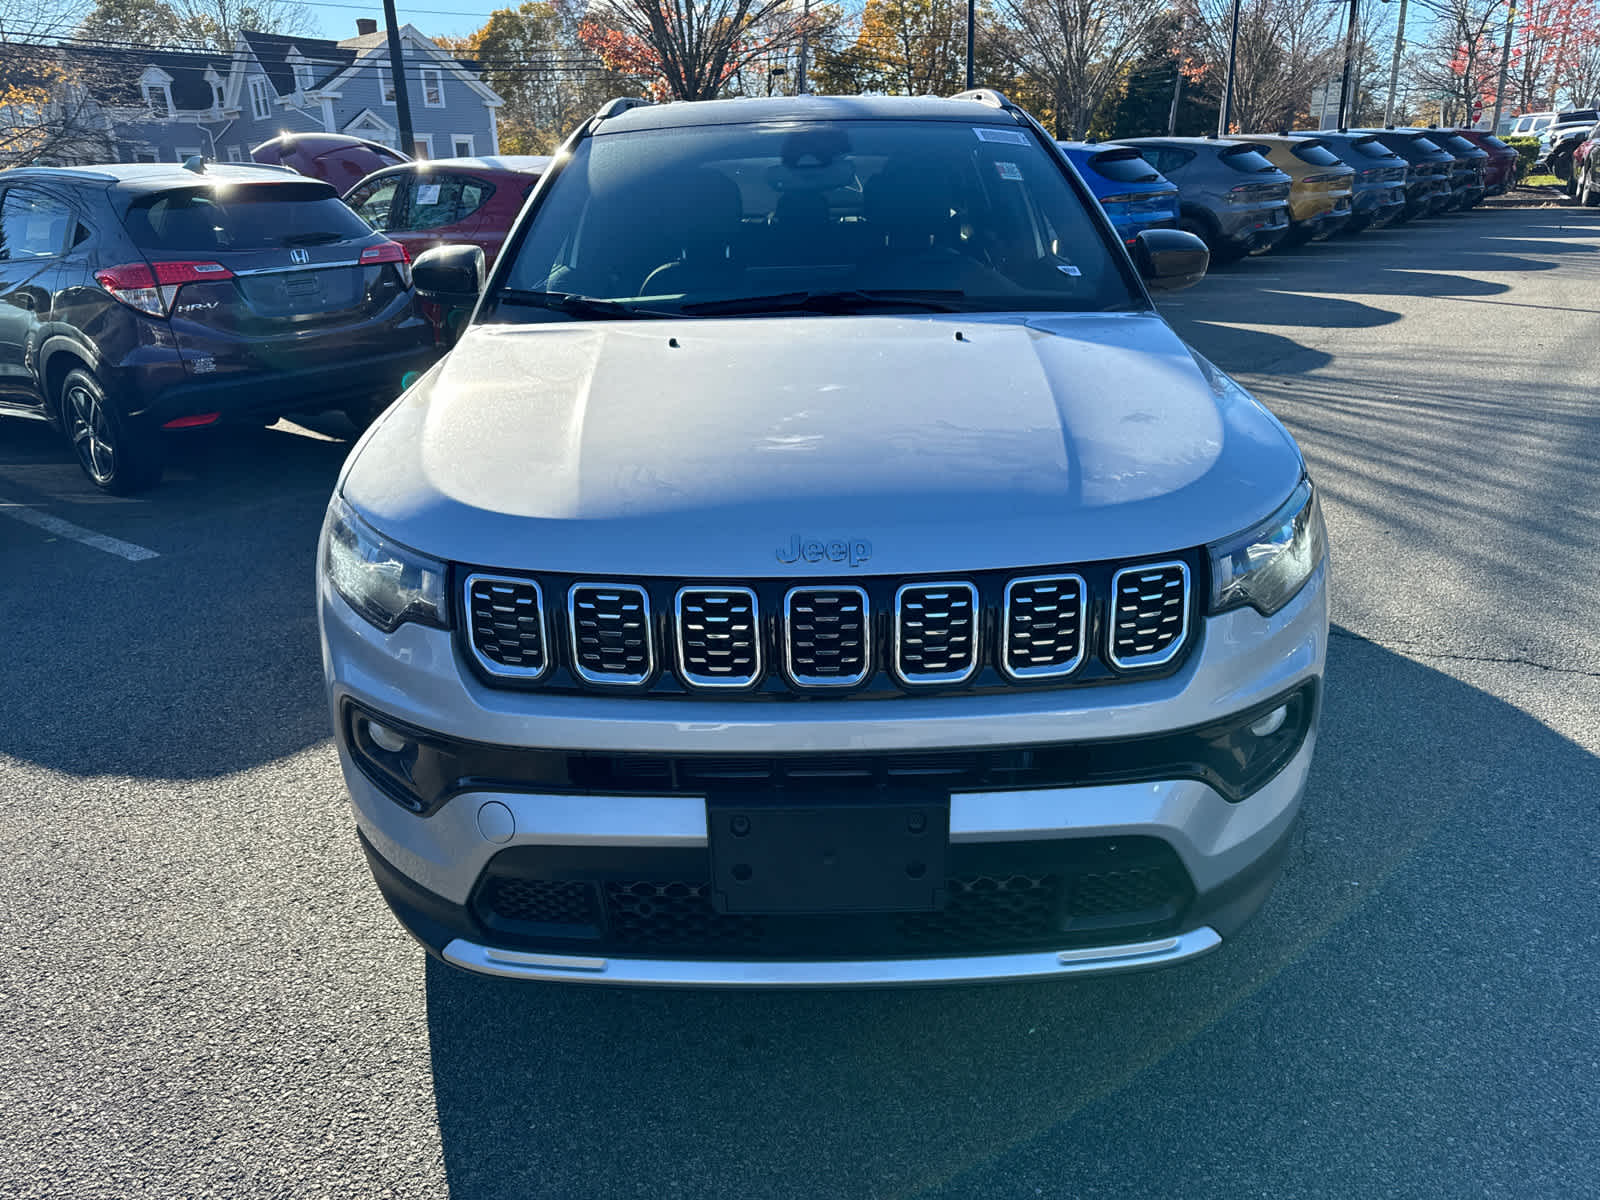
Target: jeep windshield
point(823, 217)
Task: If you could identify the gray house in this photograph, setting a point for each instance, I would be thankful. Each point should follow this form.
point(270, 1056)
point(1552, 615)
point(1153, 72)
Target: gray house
point(164, 106)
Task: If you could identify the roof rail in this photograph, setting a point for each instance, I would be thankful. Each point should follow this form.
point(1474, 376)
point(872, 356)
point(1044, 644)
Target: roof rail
point(620, 105)
point(989, 96)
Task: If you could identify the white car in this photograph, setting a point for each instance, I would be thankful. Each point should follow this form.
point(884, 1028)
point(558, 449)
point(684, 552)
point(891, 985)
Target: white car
point(819, 564)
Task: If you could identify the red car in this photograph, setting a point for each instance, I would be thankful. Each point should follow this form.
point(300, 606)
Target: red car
point(335, 158)
point(448, 201)
point(1501, 170)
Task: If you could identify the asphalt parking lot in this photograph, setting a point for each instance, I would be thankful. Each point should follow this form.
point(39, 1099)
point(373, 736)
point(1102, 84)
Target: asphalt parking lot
point(201, 993)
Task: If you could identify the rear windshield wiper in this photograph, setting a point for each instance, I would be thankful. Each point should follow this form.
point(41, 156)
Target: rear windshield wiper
point(579, 306)
point(854, 300)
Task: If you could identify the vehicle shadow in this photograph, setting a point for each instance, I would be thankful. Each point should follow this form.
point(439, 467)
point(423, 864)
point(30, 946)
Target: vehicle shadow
point(577, 1091)
point(198, 663)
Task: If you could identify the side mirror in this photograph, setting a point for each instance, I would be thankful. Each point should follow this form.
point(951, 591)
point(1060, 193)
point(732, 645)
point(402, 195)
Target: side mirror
point(449, 275)
point(1170, 259)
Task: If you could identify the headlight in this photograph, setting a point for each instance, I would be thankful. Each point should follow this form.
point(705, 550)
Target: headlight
point(387, 584)
point(1264, 567)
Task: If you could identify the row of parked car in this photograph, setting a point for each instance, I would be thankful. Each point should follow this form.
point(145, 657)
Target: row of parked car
point(141, 298)
point(1246, 195)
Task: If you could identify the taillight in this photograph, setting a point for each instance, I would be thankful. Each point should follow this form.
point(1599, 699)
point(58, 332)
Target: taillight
point(389, 252)
point(1122, 198)
point(151, 288)
point(1328, 177)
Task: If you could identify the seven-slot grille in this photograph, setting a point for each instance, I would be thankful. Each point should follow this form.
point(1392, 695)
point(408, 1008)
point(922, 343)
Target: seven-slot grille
point(719, 637)
point(827, 636)
point(821, 637)
point(936, 632)
point(1044, 634)
point(611, 640)
point(506, 619)
point(1150, 613)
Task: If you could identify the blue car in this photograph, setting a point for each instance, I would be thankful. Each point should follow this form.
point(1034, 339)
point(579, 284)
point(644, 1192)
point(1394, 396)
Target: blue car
point(1134, 194)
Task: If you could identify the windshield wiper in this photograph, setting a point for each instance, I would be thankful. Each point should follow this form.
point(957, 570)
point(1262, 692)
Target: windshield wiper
point(578, 306)
point(854, 300)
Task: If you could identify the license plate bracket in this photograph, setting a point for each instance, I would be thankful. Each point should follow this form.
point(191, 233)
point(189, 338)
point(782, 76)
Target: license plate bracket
point(886, 854)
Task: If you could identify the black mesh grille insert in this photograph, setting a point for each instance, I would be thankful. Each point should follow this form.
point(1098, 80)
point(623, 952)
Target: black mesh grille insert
point(998, 898)
point(718, 637)
point(611, 633)
point(1150, 614)
point(1044, 633)
point(827, 636)
point(507, 621)
point(936, 632)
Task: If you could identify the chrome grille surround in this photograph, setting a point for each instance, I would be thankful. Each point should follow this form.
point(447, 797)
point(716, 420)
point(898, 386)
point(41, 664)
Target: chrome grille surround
point(521, 616)
point(839, 598)
point(915, 627)
point(738, 641)
point(1157, 620)
point(1025, 609)
point(601, 633)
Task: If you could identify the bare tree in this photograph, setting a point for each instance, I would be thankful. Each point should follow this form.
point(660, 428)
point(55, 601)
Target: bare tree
point(1286, 47)
point(1077, 51)
point(47, 108)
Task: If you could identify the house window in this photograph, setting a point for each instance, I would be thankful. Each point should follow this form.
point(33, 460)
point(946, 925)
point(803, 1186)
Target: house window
point(461, 145)
point(386, 85)
point(302, 77)
point(432, 88)
point(145, 156)
point(235, 153)
point(260, 103)
point(158, 101)
point(423, 145)
point(216, 95)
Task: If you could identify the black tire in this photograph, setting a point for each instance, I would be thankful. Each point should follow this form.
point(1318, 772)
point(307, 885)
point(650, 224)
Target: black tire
point(1206, 230)
point(116, 455)
point(1570, 187)
point(1589, 194)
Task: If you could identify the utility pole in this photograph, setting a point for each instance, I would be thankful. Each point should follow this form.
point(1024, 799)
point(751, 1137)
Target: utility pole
point(397, 72)
point(1505, 62)
point(805, 45)
point(1177, 83)
point(1394, 66)
point(1345, 98)
point(972, 20)
point(1226, 115)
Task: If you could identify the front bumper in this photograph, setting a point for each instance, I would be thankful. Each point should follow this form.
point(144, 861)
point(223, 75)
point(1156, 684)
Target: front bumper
point(432, 869)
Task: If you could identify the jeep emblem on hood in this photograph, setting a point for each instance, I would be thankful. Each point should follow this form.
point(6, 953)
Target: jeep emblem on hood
point(854, 551)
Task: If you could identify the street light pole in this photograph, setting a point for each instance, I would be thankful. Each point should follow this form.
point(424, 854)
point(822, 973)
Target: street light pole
point(972, 20)
point(805, 44)
point(1226, 115)
point(1394, 66)
point(1505, 62)
point(1345, 98)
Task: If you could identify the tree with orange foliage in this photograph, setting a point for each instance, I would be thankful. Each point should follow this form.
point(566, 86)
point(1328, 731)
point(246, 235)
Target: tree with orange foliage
point(693, 47)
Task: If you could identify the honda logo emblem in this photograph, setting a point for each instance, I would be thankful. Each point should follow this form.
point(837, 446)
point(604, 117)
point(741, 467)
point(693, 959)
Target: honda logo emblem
point(299, 256)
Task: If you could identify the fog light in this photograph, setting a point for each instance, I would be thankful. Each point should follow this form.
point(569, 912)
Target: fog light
point(385, 738)
point(1265, 727)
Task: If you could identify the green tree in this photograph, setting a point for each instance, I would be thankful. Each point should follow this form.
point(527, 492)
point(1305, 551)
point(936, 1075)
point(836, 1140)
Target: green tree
point(136, 22)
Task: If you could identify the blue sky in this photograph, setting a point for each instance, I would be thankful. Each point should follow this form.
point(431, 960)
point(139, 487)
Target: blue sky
point(453, 17)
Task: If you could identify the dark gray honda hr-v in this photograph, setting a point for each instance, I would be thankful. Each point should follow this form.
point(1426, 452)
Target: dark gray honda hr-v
point(140, 298)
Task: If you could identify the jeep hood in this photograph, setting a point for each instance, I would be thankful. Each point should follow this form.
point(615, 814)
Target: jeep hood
point(702, 448)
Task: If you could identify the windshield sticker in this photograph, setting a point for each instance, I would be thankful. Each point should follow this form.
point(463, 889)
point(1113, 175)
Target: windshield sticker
point(1011, 137)
point(1008, 170)
point(1069, 269)
point(428, 193)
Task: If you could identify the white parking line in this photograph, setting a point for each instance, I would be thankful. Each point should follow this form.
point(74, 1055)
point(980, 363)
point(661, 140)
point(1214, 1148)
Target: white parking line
point(77, 533)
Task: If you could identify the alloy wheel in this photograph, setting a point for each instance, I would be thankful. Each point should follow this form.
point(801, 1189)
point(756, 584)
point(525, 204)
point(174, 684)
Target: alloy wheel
point(92, 436)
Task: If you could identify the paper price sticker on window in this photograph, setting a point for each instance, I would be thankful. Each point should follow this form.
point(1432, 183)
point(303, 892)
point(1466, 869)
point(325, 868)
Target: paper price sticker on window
point(1009, 171)
point(427, 194)
point(1011, 137)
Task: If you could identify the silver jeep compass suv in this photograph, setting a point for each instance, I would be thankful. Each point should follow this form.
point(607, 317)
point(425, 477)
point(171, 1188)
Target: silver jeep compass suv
point(818, 564)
